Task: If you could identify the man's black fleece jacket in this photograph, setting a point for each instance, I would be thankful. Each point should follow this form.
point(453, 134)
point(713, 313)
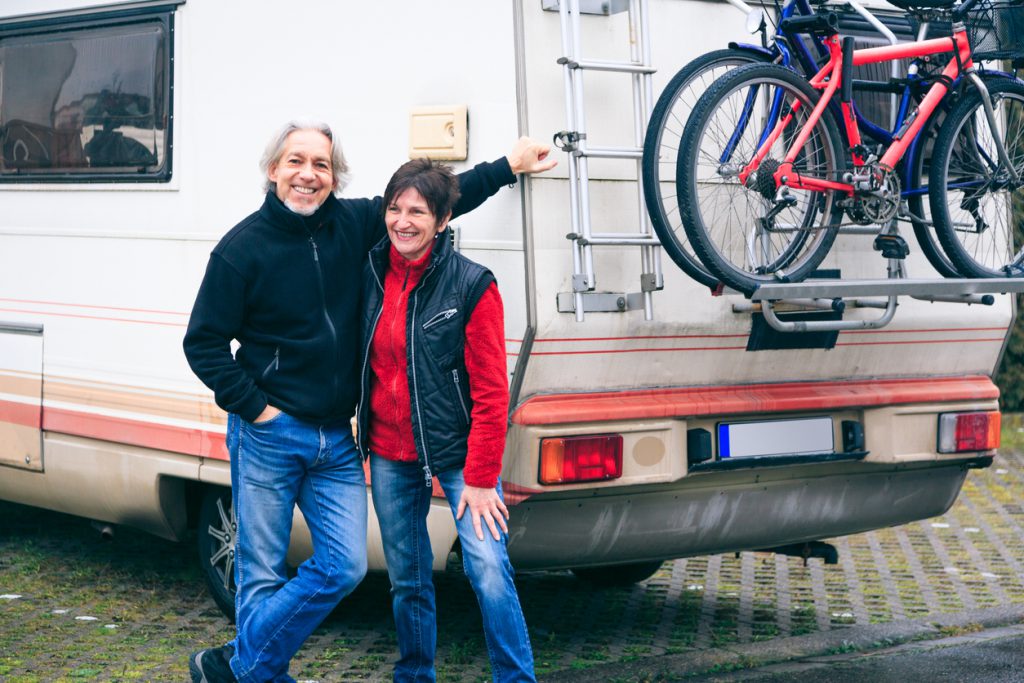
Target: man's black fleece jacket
point(288, 288)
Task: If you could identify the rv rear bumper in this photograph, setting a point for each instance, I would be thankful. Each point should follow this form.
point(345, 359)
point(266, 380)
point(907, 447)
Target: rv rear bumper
point(714, 512)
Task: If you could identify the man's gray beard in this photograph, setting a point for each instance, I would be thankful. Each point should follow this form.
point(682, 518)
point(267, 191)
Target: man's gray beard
point(302, 211)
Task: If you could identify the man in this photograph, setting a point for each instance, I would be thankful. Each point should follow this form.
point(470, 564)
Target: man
point(286, 284)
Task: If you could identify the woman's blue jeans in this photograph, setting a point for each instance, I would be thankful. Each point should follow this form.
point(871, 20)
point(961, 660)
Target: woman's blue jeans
point(401, 500)
point(274, 466)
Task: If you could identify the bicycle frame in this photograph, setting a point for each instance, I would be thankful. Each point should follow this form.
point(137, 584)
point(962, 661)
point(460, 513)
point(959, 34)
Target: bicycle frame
point(809, 63)
point(829, 79)
point(802, 55)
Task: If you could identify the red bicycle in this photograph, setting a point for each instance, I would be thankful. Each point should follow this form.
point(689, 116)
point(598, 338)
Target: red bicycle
point(766, 176)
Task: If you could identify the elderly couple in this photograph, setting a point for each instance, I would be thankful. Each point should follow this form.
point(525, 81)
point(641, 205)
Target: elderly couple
point(338, 302)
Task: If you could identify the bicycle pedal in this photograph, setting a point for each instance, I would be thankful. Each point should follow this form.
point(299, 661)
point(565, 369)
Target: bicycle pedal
point(891, 246)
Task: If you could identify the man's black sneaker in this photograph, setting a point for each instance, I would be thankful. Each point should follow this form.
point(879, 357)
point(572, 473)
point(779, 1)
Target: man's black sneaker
point(212, 665)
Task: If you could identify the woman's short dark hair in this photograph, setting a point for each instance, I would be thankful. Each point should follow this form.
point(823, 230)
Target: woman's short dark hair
point(434, 181)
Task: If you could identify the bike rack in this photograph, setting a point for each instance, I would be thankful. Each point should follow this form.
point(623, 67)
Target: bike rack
point(838, 295)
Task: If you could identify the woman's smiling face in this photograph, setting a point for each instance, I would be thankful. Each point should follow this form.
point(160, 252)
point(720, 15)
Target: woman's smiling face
point(412, 225)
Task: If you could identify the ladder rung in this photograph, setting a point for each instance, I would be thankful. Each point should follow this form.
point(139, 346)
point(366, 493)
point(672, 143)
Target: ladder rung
point(620, 235)
point(598, 65)
point(611, 152)
point(595, 241)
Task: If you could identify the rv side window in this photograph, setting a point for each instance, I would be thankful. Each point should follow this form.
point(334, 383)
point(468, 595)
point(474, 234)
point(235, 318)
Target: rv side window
point(85, 99)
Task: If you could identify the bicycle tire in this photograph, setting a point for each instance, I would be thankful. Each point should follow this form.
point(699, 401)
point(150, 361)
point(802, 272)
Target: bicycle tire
point(661, 149)
point(972, 201)
point(924, 230)
point(726, 241)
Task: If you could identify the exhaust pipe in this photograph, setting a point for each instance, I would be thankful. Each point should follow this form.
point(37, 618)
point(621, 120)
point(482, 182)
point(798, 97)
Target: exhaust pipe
point(105, 528)
point(820, 549)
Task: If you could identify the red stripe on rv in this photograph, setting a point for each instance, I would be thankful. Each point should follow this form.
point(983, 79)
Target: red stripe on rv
point(55, 314)
point(136, 433)
point(22, 414)
point(751, 398)
point(150, 435)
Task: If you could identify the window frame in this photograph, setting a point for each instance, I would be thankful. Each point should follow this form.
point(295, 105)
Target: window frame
point(110, 16)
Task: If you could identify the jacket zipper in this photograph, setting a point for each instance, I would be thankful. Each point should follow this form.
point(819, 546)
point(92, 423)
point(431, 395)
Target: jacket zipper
point(440, 317)
point(364, 384)
point(323, 307)
point(427, 476)
point(458, 392)
point(274, 364)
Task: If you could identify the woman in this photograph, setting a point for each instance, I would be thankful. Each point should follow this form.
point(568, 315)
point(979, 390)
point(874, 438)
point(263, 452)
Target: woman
point(435, 404)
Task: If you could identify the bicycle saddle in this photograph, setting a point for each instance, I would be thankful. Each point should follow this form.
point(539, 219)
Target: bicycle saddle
point(922, 4)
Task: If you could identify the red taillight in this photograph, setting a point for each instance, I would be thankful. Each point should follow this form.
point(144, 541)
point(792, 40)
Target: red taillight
point(961, 432)
point(580, 458)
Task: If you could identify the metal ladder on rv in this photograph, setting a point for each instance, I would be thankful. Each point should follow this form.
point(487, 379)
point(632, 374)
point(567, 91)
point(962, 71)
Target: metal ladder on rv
point(574, 140)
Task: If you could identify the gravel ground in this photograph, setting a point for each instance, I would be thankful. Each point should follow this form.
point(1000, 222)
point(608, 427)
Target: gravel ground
point(74, 607)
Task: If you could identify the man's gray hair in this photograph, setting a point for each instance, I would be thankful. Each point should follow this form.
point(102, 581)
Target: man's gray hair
point(275, 149)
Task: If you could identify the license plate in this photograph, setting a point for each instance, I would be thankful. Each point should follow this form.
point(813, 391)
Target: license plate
point(800, 436)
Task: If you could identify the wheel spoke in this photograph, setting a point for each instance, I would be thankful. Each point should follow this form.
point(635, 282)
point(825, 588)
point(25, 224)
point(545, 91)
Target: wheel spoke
point(229, 573)
point(977, 209)
point(741, 233)
point(662, 153)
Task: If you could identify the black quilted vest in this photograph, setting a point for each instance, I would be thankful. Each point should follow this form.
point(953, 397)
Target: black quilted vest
point(435, 327)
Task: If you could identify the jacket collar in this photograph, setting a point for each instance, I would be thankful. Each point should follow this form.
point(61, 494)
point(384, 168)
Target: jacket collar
point(279, 215)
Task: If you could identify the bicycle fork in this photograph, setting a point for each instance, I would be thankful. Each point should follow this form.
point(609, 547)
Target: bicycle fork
point(990, 115)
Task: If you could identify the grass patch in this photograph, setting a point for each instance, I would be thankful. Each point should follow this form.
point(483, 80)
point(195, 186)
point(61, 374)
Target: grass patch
point(961, 630)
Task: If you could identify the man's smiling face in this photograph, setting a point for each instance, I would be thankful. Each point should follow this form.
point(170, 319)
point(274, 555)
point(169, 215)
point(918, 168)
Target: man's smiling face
point(303, 175)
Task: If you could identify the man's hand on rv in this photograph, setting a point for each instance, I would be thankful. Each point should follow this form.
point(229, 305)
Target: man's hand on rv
point(483, 503)
point(269, 413)
point(530, 156)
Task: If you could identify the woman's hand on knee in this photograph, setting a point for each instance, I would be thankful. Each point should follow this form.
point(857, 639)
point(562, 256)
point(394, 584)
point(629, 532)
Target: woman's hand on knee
point(485, 503)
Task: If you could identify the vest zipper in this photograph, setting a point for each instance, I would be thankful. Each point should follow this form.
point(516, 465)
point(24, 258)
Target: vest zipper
point(458, 392)
point(415, 394)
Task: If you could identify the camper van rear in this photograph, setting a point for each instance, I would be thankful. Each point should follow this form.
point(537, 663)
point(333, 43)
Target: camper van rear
point(650, 418)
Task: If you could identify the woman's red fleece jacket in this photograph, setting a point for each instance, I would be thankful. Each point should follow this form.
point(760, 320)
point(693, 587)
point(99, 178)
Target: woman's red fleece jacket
point(390, 423)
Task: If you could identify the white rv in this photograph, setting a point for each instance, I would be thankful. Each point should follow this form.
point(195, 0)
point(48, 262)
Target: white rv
point(650, 419)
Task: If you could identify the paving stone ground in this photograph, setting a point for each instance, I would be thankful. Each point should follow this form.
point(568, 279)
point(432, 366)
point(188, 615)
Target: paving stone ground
point(74, 607)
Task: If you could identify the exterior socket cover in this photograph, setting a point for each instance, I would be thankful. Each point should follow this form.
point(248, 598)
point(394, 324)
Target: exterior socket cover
point(439, 132)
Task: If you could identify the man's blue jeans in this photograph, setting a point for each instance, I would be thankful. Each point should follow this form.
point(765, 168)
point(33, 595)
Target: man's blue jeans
point(274, 466)
point(401, 501)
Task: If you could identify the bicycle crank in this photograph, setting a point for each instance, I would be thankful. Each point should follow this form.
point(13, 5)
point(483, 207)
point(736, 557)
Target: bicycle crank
point(877, 196)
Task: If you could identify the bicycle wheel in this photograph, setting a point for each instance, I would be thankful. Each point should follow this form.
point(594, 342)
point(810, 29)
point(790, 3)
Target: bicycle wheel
point(661, 149)
point(917, 201)
point(976, 205)
point(738, 229)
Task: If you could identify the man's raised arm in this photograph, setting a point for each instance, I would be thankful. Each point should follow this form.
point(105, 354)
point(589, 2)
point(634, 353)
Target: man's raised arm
point(483, 180)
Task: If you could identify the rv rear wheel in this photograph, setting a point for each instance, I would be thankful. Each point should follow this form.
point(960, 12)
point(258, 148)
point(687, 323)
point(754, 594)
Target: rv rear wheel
point(618, 574)
point(216, 533)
